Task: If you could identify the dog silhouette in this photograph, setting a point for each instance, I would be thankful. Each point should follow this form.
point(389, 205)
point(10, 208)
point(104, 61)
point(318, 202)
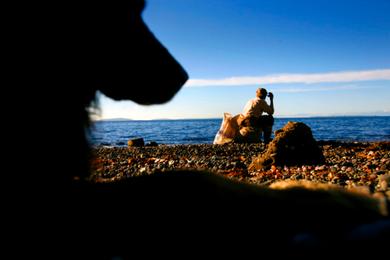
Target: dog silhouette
point(107, 47)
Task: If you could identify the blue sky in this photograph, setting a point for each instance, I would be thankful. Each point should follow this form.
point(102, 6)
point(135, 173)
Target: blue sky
point(317, 57)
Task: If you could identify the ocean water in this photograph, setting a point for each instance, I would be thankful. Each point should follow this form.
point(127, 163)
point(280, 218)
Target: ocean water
point(203, 131)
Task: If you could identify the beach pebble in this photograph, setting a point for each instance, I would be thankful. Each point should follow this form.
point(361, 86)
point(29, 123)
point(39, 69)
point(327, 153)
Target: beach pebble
point(347, 164)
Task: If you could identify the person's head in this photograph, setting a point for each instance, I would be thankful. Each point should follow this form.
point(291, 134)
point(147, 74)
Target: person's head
point(261, 93)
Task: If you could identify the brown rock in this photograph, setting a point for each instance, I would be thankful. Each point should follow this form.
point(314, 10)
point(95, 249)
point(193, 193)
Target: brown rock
point(293, 145)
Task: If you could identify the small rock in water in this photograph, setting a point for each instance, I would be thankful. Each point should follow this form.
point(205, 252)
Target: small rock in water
point(137, 142)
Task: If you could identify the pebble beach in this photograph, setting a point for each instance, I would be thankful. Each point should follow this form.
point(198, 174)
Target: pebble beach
point(358, 165)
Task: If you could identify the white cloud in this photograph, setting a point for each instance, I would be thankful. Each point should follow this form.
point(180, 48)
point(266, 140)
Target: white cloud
point(342, 76)
point(334, 88)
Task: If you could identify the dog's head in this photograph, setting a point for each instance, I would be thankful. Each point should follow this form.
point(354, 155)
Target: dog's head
point(128, 62)
point(79, 50)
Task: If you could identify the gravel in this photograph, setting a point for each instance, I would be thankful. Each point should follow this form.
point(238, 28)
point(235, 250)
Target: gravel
point(359, 165)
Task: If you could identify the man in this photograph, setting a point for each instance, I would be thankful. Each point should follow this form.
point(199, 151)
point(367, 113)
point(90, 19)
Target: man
point(253, 117)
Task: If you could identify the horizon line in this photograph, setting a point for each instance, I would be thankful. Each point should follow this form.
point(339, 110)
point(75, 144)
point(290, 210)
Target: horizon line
point(280, 116)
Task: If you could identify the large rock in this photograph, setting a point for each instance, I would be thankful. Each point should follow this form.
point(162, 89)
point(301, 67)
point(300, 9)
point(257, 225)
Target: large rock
point(293, 145)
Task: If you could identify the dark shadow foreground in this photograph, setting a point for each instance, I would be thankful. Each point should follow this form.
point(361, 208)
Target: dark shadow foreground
point(72, 52)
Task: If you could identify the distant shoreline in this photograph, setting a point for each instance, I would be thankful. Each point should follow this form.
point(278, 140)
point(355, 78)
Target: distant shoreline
point(218, 118)
point(211, 145)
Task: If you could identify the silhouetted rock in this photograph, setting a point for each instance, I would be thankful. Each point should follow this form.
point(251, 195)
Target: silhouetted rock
point(138, 142)
point(294, 144)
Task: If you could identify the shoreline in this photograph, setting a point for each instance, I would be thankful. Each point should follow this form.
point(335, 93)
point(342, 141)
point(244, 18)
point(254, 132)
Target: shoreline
point(353, 165)
point(221, 117)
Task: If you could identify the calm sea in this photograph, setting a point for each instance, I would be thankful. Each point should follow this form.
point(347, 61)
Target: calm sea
point(202, 131)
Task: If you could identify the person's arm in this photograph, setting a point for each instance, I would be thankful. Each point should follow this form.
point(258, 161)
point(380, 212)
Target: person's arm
point(269, 109)
point(271, 97)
